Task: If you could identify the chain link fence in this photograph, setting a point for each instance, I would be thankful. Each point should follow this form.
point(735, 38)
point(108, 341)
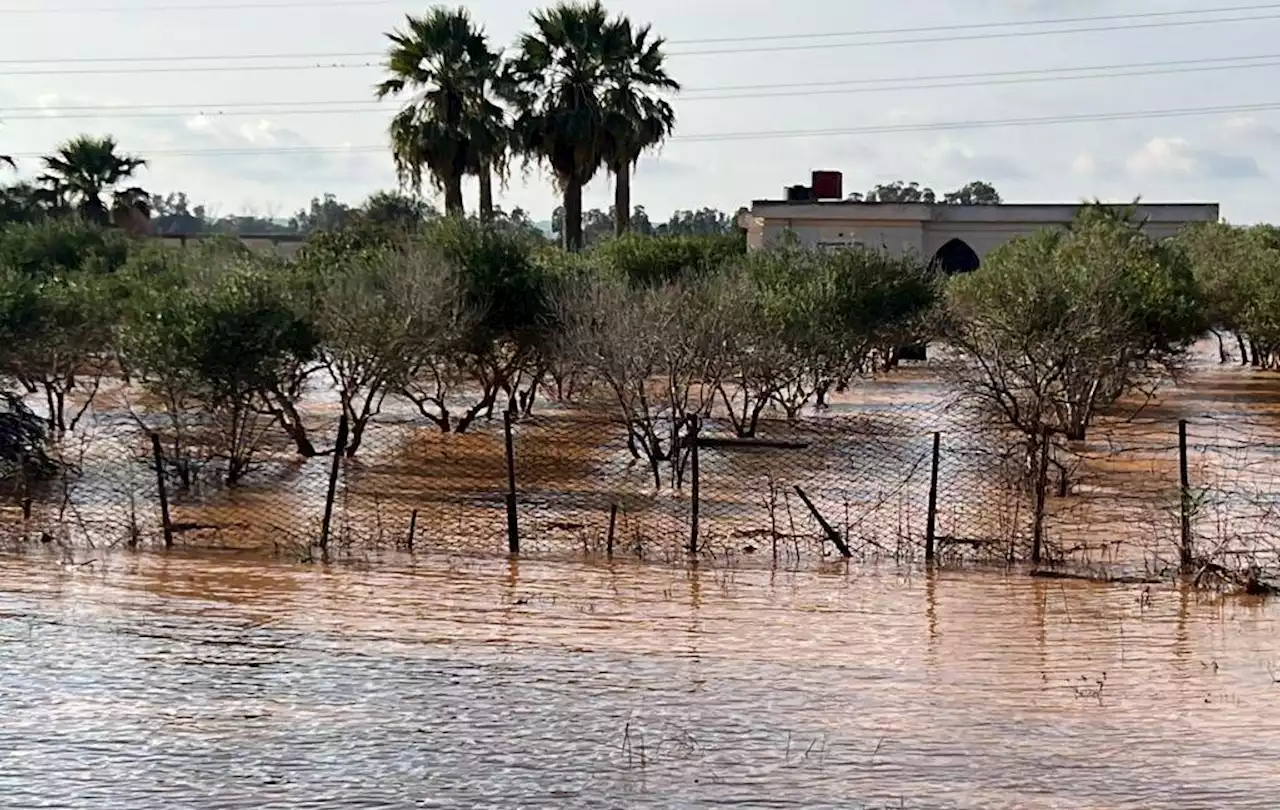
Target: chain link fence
point(900, 482)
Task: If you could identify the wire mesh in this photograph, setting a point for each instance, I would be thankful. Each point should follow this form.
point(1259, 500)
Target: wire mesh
point(857, 475)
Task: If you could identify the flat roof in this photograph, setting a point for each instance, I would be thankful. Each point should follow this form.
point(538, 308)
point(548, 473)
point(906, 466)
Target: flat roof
point(946, 212)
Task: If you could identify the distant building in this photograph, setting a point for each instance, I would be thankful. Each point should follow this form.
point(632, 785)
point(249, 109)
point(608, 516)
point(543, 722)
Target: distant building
point(285, 245)
point(956, 236)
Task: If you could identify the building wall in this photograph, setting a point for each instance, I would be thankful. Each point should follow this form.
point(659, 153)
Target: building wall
point(923, 229)
point(896, 237)
point(283, 246)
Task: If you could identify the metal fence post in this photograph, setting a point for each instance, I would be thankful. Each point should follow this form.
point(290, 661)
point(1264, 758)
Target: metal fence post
point(695, 496)
point(1041, 491)
point(930, 531)
point(158, 455)
point(338, 450)
point(1184, 476)
point(513, 526)
point(613, 524)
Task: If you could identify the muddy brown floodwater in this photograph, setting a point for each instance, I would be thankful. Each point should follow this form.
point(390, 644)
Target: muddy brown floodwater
point(188, 681)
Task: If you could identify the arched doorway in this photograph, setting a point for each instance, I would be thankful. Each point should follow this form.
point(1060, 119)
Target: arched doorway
point(956, 257)
point(953, 257)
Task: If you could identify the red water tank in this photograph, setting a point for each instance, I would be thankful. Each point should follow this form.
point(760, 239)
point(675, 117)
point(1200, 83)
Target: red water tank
point(827, 185)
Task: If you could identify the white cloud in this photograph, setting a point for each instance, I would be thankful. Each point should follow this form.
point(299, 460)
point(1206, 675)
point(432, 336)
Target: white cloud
point(1249, 127)
point(1085, 165)
point(1171, 157)
point(47, 103)
point(949, 159)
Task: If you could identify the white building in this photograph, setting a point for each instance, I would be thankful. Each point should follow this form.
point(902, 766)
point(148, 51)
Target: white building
point(957, 236)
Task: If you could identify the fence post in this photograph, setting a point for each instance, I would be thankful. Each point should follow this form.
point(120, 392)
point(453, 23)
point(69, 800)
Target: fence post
point(1185, 497)
point(158, 455)
point(613, 524)
point(695, 497)
point(339, 450)
point(513, 525)
point(931, 525)
point(1042, 484)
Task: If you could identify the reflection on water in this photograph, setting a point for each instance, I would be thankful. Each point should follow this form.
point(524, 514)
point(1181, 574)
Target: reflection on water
point(223, 682)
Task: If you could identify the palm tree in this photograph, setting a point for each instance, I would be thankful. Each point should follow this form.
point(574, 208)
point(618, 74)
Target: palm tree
point(636, 120)
point(83, 169)
point(450, 127)
point(490, 137)
point(556, 82)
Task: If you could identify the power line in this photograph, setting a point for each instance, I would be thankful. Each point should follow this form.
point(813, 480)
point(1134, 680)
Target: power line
point(936, 126)
point(310, 6)
point(714, 52)
point(726, 93)
point(977, 36)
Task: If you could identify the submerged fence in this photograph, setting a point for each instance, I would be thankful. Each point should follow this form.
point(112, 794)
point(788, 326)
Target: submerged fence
point(1137, 496)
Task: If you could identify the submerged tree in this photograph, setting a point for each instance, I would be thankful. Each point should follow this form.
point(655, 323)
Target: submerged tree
point(213, 344)
point(1060, 324)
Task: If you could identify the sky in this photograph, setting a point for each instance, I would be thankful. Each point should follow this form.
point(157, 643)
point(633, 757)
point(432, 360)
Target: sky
point(936, 91)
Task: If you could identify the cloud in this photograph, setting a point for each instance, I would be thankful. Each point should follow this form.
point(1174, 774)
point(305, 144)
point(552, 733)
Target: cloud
point(946, 157)
point(1091, 166)
point(1247, 127)
point(660, 166)
point(47, 102)
point(1176, 157)
point(260, 151)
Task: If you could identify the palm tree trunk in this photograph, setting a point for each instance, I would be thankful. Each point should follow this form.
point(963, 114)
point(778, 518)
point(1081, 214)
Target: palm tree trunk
point(573, 215)
point(453, 204)
point(486, 192)
point(622, 199)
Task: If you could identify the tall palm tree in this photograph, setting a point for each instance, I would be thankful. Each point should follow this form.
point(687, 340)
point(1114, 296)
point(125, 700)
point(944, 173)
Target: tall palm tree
point(490, 135)
point(450, 126)
point(84, 168)
point(636, 119)
point(556, 81)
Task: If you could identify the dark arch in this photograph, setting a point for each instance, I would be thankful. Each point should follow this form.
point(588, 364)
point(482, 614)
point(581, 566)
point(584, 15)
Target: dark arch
point(956, 257)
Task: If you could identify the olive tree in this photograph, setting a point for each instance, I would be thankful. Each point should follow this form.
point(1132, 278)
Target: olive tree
point(58, 309)
point(1225, 260)
point(1060, 324)
point(388, 319)
point(798, 322)
point(650, 347)
point(497, 328)
point(212, 351)
point(57, 335)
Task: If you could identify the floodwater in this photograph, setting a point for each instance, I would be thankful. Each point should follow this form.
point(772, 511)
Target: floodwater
point(221, 681)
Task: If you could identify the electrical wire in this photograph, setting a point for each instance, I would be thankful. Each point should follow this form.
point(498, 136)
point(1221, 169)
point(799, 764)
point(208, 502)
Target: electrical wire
point(936, 126)
point(726, 93)
point(982, 32)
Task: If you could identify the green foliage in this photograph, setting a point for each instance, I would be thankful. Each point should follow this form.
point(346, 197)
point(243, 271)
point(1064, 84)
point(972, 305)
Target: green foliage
point(85, 168)
point(657, 260)
point(214, 348)
point(1059, 324)
point(503, 284)
point(1238, 270)
point(50, 247)
point(975, 192)
point(24, 444)
point(803, 321)
point(451, 128)
point(583, 86)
